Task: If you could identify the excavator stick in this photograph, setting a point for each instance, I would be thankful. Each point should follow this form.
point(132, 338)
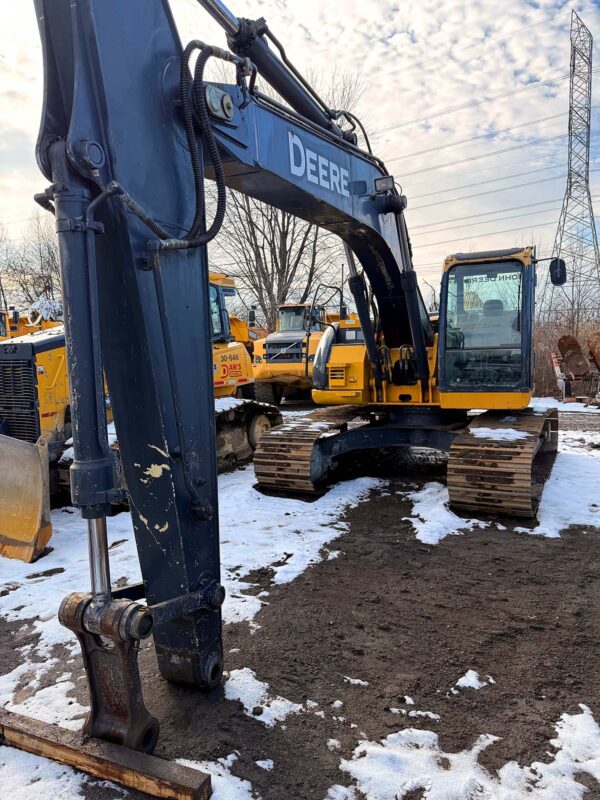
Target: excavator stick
point(25, 527)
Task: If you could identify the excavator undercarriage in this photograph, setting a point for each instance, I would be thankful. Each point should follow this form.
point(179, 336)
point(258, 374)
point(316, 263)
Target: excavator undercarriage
point(492, 457)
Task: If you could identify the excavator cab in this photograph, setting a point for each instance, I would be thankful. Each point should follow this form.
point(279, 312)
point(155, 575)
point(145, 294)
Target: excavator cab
point(485, 347)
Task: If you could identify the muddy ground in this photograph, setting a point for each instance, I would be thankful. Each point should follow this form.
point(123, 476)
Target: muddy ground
point(409, 619)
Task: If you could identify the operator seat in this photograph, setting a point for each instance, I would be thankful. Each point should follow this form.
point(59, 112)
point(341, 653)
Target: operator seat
point(495, 327)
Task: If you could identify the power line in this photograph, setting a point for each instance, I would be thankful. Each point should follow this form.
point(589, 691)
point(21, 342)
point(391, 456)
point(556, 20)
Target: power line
point(484, 155)
point(490, 191)
point(486, 41)
point(480, 183)
point(490, 135)
point(487, 233)
point(473, 103)
point(497, 219)
point(486, 213)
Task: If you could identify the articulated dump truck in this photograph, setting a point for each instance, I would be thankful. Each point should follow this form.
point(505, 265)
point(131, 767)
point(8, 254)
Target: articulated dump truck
point(35, 422)
point(283, 360)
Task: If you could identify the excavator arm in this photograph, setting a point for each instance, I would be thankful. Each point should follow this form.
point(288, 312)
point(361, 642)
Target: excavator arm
point(127, 139)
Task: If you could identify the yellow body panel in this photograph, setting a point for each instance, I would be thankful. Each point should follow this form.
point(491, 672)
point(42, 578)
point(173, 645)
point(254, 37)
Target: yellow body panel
point(53, 392)
point(9, 329)
point(232, 368)
point(289, 374)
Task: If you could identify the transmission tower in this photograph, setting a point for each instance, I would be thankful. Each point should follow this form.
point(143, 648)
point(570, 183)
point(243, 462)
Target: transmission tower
point(578, 301)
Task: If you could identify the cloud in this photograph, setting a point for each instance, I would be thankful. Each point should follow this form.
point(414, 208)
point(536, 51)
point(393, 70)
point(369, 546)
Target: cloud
point(416, 58)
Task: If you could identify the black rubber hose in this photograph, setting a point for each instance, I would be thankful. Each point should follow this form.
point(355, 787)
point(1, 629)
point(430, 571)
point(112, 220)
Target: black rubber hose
point(187, 105)
point(213, 150)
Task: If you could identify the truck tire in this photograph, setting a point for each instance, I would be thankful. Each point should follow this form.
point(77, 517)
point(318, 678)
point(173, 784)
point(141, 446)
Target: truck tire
point(268, 393)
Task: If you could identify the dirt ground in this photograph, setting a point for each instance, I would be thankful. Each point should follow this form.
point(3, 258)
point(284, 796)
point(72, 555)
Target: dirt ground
point(409, 619)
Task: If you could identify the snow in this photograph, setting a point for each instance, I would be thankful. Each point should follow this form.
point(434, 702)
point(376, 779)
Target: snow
point(432, 519)
point(337, 704)
point(223, 404)
point(470, 680)
point(412, 760)
point(499, 434)
point(225, 786)
point(333, 744)
point(571, 496)
point(46, 308)
point(266, 763)
point(256, 531)
point(587, 442)
point(544, 403)
point(243, 685)
point(355, 681)
point(427, 714)
point(408, 700)
point(30, 777)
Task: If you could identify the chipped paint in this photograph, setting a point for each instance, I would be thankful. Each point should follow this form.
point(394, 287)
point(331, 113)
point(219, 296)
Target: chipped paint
point(162, 529)
point(156, 470)
point(158, 450)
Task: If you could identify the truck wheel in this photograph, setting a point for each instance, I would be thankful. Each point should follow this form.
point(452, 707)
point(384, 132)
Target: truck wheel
point(268, 393)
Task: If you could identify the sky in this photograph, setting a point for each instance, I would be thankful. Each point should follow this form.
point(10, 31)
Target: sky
point(431, 73)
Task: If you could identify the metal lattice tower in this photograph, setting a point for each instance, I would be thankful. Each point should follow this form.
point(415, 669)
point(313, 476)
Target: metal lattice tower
point(578, 301)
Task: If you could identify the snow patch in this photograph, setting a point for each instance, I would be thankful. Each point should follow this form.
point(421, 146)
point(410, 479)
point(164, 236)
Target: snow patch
point(243, 685)
point(470, 680)
point(225, 786)
point(544, 403)
point(571, 496)
point(412, 760)
point(356, 681)
point(24, 776)
point(499, 434)
point(266, 763)
point(432, 519)
point(333, 744)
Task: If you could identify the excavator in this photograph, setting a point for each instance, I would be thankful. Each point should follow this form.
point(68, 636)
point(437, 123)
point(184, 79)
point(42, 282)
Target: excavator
point(36, 429)
point(477, 355)
point(131, 130)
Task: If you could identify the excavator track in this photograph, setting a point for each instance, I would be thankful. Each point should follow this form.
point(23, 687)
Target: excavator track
point(492, 464)
point(286, 459)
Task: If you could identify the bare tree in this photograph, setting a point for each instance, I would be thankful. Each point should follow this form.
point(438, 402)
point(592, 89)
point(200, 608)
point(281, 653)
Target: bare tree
point(30, 267)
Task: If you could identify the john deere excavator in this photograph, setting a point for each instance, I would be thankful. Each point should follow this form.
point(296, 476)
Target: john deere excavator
point(419, 391)
point(129, 133)
point(35, 420)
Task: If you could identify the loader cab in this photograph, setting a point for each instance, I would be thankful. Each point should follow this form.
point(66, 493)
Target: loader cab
point(485, 327)
point(219, 316)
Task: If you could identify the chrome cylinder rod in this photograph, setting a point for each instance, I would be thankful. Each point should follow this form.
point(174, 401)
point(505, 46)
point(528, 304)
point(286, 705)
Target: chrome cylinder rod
point(98, 557)
point(222, 15)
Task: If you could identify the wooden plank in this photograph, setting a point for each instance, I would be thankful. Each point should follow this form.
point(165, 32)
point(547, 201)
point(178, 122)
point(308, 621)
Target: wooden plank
point(150, 774)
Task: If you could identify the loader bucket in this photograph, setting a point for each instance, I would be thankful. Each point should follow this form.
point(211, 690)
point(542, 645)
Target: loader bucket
point(25, 527)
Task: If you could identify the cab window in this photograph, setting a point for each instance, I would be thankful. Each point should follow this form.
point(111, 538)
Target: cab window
point(215, 313)
point(483, 325)
point(2, 325)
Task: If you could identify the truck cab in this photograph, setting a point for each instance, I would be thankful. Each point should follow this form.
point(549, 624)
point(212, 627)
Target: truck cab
point(232, 364)
point(280, 359)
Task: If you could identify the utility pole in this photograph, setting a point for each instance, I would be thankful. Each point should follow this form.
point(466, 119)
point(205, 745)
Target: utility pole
point(567, 307)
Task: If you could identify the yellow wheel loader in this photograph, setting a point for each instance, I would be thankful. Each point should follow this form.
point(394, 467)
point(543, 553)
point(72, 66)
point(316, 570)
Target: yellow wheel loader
point(35, 421)
point(13, 323)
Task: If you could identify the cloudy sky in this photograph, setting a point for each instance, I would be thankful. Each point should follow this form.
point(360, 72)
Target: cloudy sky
point(456, 95)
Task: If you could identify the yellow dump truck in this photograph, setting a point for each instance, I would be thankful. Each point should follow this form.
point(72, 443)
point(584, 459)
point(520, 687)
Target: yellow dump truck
point(282, 366)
